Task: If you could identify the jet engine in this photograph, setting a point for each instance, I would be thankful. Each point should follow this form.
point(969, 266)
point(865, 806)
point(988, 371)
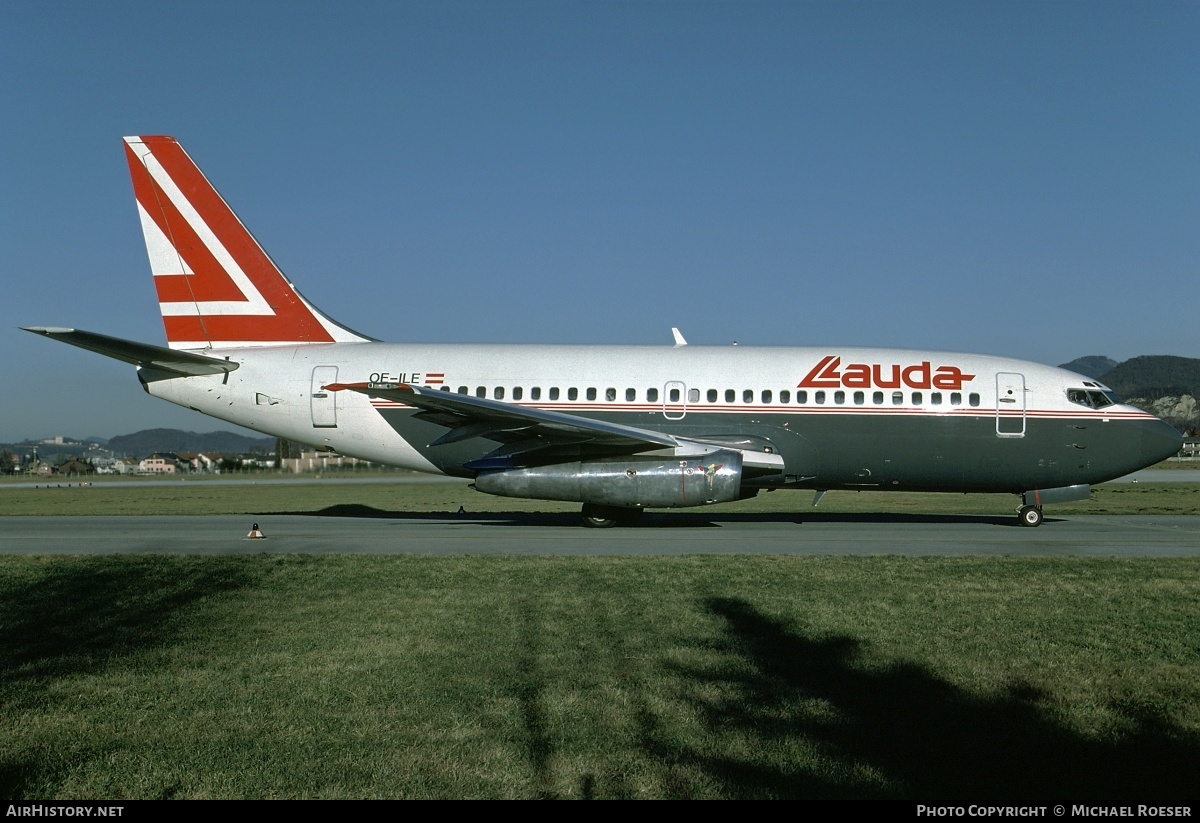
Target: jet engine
point(637, 481)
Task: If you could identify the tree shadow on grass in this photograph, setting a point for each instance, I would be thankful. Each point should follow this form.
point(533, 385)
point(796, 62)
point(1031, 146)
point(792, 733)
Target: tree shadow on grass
point(78, 615)
point(900, 731)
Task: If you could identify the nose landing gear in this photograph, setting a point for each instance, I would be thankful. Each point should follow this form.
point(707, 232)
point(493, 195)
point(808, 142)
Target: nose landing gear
point(1030, 513)
point(1030, 516)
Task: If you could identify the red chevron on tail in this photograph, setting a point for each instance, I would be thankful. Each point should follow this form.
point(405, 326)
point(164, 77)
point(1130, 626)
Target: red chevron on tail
point(216, 287)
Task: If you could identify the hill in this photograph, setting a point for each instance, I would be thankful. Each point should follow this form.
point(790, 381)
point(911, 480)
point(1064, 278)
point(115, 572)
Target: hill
point(1164, 385)
point(1155, 376)
point(1094, 365)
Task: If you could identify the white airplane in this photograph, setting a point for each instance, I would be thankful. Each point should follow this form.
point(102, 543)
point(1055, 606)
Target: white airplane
point(616, 428)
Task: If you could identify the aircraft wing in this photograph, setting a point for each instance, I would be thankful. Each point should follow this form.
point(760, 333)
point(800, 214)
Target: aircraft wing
point(176, 363)
point(520, 428)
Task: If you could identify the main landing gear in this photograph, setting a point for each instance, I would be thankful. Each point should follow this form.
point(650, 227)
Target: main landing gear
point(1030, 516)
point(596, 516)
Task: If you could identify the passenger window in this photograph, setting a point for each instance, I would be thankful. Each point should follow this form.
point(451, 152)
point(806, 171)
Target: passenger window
point(674, 395)
point(766, 396)
point(819, 396)
point(712, 395)
point(572, 393)
point(498, 392)
point(973, 399)
point(518, 392)
point(591, 394)
point(652, 395)
point(535, 393)
point(748, 396)
point(630, 395)
point(785, 396)
point(463, 390)
point(877, 398)
point(839, 397)
point(554, 393)
point(610, 395)
point(936, 398)
point(859, 398)
point(444, 388)
point(916, 398)
point(801, 397)
point(897, 398)
point(693, 395)
point(480, 391)
point(956, 398)
point(730, 396)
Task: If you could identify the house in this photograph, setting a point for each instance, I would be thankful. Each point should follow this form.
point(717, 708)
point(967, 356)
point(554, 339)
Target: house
point(316, 461)
point(158, 463)
point(74, 466)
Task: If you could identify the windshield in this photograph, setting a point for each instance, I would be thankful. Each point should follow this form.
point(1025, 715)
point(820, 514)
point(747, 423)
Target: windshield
point(1092, 398)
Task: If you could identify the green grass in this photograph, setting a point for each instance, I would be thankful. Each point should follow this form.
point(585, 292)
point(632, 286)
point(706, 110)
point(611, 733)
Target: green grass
point(200, 497)
point(405, 676)
point(519, 677)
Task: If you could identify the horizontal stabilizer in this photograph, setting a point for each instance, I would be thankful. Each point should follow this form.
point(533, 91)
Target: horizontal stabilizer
point(182, 363)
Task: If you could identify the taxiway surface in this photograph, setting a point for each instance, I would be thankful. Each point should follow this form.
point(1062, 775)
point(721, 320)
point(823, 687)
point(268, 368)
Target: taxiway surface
point(559, 534)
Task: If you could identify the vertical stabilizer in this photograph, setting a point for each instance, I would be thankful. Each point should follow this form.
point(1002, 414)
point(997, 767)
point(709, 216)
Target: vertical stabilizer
point(216, 287)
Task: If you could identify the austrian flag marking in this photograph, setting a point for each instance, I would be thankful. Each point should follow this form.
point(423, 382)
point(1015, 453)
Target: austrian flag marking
point(829, 373)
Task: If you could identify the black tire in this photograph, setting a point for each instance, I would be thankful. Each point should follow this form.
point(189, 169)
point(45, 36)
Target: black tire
point(1030, 516)
point(605, 517)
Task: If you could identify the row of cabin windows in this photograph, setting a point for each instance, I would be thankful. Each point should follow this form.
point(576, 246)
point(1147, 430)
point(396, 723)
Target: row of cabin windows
point(766, 397)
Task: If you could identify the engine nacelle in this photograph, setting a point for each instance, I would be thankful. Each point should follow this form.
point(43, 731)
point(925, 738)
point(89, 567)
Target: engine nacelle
point(635, 481)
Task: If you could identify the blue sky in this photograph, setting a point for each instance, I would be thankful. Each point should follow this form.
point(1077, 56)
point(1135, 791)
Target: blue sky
point(1018, 178)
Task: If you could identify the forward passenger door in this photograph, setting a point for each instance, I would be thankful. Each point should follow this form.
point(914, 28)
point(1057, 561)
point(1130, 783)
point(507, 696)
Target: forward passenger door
point(1010, 404)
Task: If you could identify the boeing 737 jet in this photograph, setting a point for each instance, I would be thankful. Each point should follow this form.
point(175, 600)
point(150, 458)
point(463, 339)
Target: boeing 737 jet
point(615, 428)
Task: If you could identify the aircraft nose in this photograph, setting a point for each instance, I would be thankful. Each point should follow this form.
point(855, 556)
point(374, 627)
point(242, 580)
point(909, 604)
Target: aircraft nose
point(1160, 440)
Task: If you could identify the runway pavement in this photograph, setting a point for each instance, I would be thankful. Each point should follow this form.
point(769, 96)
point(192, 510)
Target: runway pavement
point(658, 534)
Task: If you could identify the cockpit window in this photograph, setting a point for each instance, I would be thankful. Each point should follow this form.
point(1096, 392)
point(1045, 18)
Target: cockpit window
point(1092, 398)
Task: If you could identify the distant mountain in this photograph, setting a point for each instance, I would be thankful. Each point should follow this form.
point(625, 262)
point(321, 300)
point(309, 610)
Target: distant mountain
point(140, 444)
point(1155, 376)
point(1164, 385)
point(1094, 365)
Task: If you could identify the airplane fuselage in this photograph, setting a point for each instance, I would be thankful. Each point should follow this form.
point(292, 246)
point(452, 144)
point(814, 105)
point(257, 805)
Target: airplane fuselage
point(840, 418)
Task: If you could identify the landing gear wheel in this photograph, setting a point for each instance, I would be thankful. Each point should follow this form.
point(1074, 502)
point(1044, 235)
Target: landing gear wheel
point(598, 517)
point(605, 517)
point(1030, 516)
